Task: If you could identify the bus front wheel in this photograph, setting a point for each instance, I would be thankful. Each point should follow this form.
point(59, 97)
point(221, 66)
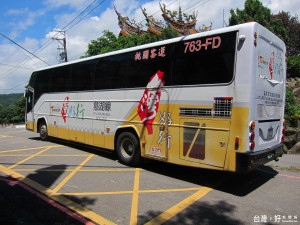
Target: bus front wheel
point(128, 149)
point(43, 131)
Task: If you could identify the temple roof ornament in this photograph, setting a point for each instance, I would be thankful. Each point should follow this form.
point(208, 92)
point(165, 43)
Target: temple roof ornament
point(154, 26)
point(129, 27)
point(183, 23)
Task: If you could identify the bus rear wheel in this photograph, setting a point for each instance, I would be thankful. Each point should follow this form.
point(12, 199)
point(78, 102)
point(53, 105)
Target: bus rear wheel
point(43, 131)
point(128, 149)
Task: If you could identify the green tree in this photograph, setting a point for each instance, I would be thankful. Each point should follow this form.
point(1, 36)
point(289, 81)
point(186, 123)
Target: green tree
point(255, 11)
point(168, 33)
point(109, 42)
point(293, 66)
point(292, 110)
point(292, 25)
point(14, 113)
point(102, 44)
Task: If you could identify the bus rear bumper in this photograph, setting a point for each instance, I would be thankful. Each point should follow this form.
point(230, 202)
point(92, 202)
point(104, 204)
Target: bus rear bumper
point(248, 161)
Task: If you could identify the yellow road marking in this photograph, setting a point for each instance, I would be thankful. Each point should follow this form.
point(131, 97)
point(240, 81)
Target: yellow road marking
point(48, 155)
point(27, 149)
point(30, 157)
point(107, 170)
point(81, 170)
point(59, 186)
point(170, 190)
point(130, 192)
point(95, 193)
point(1, 135)
point(163, 217)
point(43, 170)
point(135, 198)
point(167, 215)
point(61, 199)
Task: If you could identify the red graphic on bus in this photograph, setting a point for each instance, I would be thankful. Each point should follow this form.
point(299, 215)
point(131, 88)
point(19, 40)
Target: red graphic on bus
point(271, 64)
point(149, 102)
point(64, 109)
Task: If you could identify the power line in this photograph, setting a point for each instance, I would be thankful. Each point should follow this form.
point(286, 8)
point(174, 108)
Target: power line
point(13, 87)
point(47, 43)
point(86, 15)
point(195, 6)
point(24, 48)
point(14, 66)
point(78, 15)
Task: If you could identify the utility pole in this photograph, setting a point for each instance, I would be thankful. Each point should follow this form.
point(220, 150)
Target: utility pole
point(63, 42)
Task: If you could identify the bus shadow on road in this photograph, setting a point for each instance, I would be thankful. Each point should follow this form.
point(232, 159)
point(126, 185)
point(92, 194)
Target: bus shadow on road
point(201, 212)
point(232, 183)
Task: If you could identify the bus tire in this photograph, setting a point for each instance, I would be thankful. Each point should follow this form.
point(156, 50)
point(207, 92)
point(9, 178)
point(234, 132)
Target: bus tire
point(43, 131)
point(128, 149)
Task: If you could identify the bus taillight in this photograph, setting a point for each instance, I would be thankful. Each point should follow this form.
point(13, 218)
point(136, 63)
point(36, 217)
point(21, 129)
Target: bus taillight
point(255, 36)
point(252, 125)
point(252, 135)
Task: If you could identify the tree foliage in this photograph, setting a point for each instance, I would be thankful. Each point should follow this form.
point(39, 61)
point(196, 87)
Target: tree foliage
point(292, 110)
point(255, 11)
point(292, 25)
point(14, 113)
point(109, 42)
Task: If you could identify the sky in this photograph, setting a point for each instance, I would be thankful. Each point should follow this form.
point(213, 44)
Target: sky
point(30, 24)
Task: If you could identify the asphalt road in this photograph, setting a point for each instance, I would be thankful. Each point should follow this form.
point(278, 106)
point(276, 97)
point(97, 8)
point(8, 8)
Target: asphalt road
point(63, 183)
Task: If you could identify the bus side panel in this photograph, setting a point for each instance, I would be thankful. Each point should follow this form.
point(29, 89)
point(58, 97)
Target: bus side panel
point(238, 139)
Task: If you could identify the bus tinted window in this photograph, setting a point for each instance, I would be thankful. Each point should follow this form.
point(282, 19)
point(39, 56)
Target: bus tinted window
point(82, 76)
point(206, 60)
point(43, 83)
point(110, 72)
point(60, 79)
point(144, 63)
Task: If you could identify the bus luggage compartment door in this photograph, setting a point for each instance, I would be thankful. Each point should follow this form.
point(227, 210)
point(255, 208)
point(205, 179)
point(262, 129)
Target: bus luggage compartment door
point(204, 141)
point(157, 133)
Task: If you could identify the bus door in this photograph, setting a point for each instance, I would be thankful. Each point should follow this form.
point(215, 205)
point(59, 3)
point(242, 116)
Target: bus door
point(29, 109)
point(204, 140)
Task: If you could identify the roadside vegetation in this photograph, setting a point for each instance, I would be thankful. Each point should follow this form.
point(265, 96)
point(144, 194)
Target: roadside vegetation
point(12, 109)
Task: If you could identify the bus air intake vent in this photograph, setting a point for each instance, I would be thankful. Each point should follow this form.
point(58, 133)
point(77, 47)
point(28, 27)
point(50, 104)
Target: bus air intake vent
point(222, 107)
point(196, 112)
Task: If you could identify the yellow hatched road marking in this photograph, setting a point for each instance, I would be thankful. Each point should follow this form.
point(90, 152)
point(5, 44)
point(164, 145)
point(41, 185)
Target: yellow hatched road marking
point(48, 155)
point(129, 192)
point(44, 170)
point(167, 215)
point(135, 198)
point(61, 199)
point(170, 190)
point(95, 193)
point(30, 157)
point(81, 170)
point(59, 186)
point(163, 217)
point(1, 135)
point(27, 149)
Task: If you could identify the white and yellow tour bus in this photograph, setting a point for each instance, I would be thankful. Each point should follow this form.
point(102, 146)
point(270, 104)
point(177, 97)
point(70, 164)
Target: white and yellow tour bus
point(212, 100)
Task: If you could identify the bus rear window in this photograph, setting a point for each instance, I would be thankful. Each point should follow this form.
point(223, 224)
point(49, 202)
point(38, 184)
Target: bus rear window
point(206, 60)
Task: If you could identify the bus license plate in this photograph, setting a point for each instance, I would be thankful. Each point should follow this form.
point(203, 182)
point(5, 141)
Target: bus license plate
point(270, 133)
